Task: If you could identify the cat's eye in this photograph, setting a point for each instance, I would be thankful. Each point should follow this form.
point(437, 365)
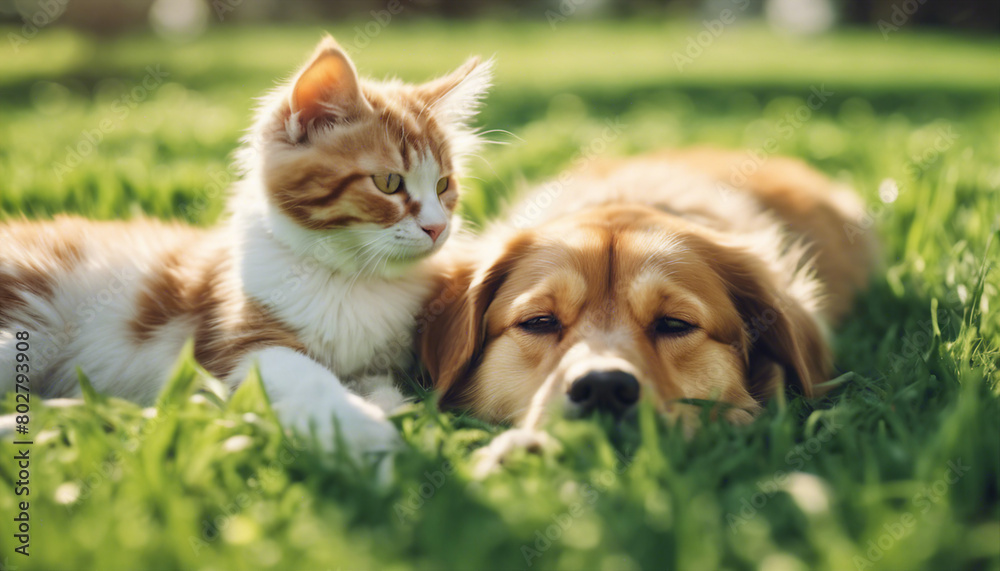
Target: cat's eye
point(672, 327)
point(442, 185)
point(387, 183)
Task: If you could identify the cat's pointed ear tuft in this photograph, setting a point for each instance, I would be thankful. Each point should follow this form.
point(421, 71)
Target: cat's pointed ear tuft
point(458, 95)
point(327, 88)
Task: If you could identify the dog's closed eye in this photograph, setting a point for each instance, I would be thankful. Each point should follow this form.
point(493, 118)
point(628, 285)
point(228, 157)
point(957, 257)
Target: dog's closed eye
point(541, 325)
point(673, 327)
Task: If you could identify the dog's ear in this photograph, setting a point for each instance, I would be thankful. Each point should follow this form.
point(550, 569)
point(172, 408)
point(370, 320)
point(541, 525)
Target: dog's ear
point(782, 341)
point(452, 329)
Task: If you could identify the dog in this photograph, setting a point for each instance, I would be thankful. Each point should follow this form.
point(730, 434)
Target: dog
point(680, 276)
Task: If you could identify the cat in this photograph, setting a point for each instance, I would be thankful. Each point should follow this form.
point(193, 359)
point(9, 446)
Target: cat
point(315, 276)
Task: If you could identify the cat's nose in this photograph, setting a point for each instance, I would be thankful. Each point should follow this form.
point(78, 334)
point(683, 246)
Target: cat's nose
point(434, 230)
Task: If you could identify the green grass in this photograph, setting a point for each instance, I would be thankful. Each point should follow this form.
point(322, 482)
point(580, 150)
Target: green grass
point(195, 483)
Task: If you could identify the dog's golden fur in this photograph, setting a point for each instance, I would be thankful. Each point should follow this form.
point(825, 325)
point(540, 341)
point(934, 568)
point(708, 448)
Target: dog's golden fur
point(760, 269)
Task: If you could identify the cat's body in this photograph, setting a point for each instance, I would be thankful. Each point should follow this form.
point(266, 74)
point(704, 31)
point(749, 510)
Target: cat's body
point(121, 299)
point(316, 276)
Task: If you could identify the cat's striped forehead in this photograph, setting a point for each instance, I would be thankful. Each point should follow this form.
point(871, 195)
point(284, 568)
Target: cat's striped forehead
point(326, 183)
point(412, 125)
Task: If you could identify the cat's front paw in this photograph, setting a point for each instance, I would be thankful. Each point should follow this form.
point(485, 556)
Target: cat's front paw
point(310, 400)
point(361, 426)
point(381, 390)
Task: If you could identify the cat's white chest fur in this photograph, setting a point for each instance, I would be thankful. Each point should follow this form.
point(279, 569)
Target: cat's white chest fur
point(356, 325)
point(357, 329)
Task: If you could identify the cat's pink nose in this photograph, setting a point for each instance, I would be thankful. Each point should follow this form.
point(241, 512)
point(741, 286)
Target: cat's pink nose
point(434, 230)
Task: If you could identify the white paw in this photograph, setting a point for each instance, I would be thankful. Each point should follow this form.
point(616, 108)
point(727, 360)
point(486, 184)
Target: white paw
point(360, 425)
point(381, 391)
point(489, 459)
point(310, 400)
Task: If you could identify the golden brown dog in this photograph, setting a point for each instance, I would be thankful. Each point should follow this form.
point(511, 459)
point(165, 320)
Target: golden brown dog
point(698, 274)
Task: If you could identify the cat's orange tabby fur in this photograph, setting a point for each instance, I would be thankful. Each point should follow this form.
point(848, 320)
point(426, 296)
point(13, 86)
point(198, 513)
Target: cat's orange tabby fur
point(316, 275)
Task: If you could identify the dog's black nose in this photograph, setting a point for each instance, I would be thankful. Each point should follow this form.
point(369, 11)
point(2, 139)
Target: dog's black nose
point(610, 391)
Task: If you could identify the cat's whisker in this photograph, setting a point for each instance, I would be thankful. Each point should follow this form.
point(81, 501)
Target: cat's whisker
point(504, 131)
point(378, 257)
point(369, 243)
point(495, 174)
point(485, 160)
point(370, 255)
point(384, 255)
point(385, 261)
point(358, 247)
point(362, 271)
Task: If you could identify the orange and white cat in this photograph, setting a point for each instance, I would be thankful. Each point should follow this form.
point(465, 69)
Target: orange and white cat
point(316, 276)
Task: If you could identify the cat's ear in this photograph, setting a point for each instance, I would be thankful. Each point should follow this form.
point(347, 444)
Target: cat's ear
point(327, 88)
point(458, 95)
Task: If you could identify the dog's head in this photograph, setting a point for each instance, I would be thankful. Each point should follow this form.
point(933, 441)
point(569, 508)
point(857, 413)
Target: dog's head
point(595, 310)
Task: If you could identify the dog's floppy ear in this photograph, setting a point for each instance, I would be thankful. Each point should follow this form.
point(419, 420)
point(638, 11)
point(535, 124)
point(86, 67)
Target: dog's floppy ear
point(782, 342)
point(452, 330)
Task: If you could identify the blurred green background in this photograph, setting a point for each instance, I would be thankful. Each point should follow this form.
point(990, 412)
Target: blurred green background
point(871, 477)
